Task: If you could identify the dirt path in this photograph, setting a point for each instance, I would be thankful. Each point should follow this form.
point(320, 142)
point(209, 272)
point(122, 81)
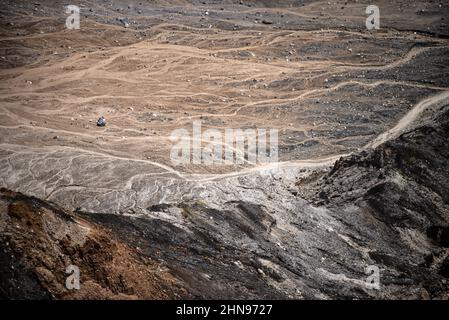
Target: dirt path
point(393, 133)
point(408, 119)
point(163, 71)
point(390, 134)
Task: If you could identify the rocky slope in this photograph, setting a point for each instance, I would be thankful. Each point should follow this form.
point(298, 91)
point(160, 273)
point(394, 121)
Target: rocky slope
point(39, 240)
point(386, 207)
point(395, 198)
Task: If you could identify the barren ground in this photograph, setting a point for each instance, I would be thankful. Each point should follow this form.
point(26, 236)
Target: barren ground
point(310, 69)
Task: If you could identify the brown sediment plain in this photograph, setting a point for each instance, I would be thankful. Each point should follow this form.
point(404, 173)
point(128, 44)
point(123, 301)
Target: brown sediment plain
point(309, 69)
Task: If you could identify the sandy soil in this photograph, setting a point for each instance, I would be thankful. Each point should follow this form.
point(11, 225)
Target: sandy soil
point(310, 70)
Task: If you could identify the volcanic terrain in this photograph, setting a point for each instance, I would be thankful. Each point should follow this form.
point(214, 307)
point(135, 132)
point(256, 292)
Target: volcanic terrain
point(361, 178)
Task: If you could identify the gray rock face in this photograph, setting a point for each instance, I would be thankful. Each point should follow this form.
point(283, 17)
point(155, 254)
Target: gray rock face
point(395, 198)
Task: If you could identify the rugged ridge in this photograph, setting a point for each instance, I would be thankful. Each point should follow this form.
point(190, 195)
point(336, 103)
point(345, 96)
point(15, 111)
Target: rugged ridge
point(399, 188)
point(39, 240)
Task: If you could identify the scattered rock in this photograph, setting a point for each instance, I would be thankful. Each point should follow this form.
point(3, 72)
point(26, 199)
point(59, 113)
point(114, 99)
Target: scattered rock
point(101, 122)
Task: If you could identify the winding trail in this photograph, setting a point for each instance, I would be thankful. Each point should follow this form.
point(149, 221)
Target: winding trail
point(409, 118)
point(390, 134)
point(401, 126)
point(163, 58)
